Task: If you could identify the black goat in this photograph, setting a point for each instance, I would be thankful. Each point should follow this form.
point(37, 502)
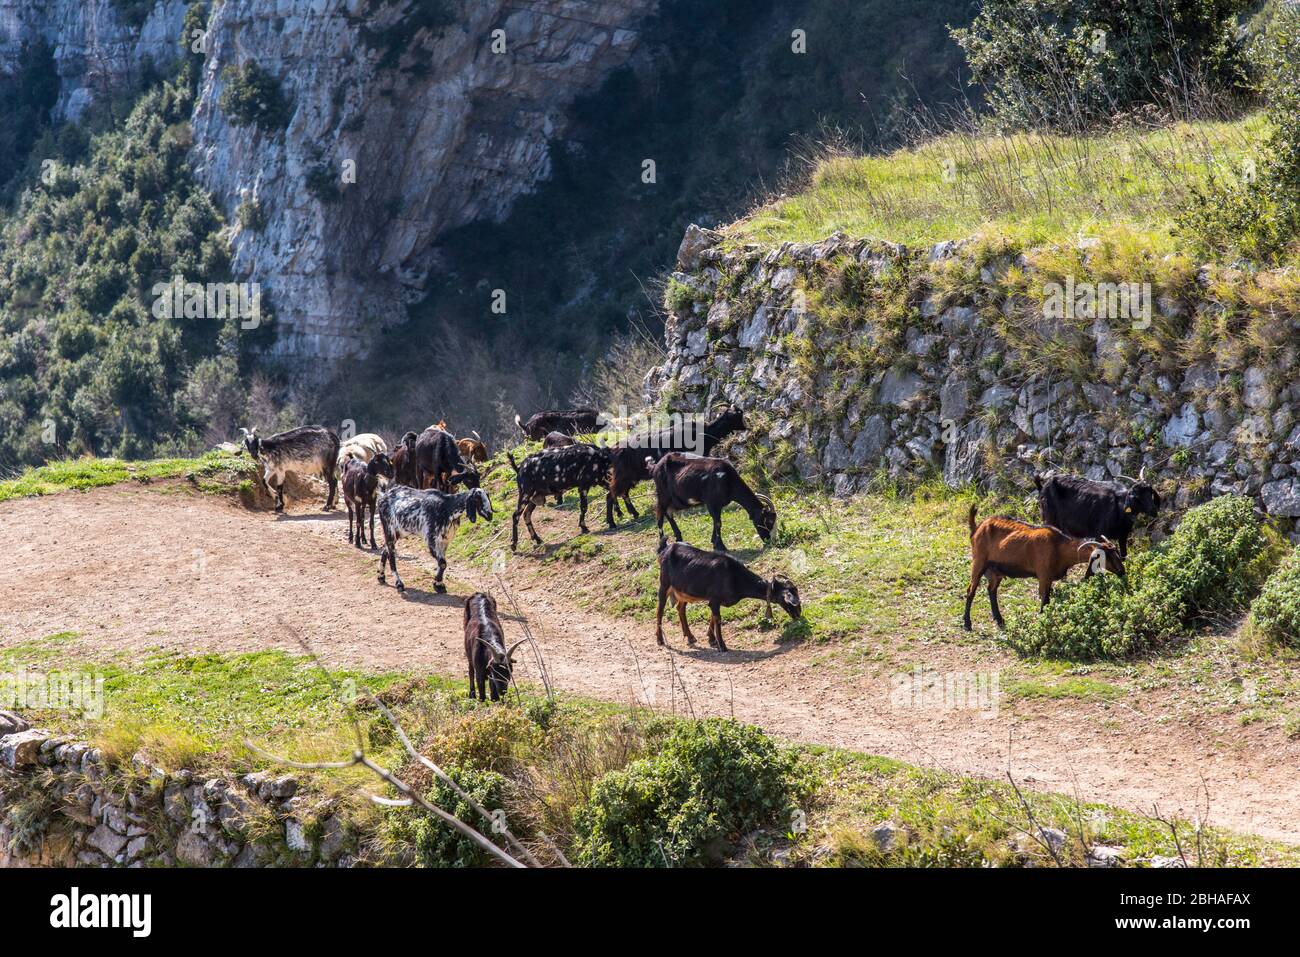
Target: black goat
point(490, 661)
point(360, 481)
point(629, 456)
point(430, 515)
point(403, 459)
point(688, 575)
point(571, 422)
point(682, 481)
point(1086, 509)
point(543, 474)
point(558, 440)
point(438, 462)
point(306, 450)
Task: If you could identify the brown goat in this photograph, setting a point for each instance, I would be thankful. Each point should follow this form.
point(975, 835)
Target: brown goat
point(472, 449)
point(1004, 547)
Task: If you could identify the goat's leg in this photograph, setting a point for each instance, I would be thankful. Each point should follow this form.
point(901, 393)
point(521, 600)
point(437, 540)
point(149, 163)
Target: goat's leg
point(659, 610)
point(677, 532)
point(471, 679)
point(976, 573)
point(438, 557)
point(348, 504)
point(994, 582)
point(528, 520)
point(1044, 594)
point(716, 515)
point(686, 629)
point(333, 481)
point(482, 681)
point(627, 499)
point(372, 523)
point(715, 625)
point(610, 503)
point(582, 511)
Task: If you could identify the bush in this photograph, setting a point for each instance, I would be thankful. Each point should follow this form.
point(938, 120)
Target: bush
point(711, 781)
point(438, 844)
point(1069, 64)
point(323, 183)
point(1276, 612)
point(1257, 214)
point(252, 95)
point(1214, 563)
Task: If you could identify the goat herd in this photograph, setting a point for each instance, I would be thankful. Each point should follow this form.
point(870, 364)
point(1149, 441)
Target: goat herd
point(413, 492)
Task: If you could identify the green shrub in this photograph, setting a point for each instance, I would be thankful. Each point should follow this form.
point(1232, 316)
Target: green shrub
point(678, 296)
point(435, 842)
point(1256, 213)
point(1214, 563)
point(252, 95)
point(323, 183)
point(711, 781)
point(1276, 612)
point(251, 216)
point(1068, 64)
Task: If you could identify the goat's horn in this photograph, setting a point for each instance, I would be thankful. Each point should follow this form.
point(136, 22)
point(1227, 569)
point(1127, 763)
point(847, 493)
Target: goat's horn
point(763, 498)
point(511, 650)
point(1091, 541)
point(1142, 474)
point(476, 435)
point(1127, 478)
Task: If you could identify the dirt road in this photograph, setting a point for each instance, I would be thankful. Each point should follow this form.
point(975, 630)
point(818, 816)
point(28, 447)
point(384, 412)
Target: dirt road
point(131, 569)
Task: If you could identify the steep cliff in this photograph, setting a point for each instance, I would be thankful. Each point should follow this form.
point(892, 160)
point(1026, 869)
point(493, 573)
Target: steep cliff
point(440, 131)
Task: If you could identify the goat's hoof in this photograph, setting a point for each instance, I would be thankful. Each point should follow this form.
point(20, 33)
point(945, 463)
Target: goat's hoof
point(400, 586)
point(440, 588)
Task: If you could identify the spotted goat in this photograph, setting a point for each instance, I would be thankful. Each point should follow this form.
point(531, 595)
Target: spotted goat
point(553, 472)
point(430, 516)
point(306, 450)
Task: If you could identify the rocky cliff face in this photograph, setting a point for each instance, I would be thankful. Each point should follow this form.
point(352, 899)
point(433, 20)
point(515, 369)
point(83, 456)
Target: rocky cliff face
point(420, 134)
point(452, 133)
point(853, 359)
point(95, 50)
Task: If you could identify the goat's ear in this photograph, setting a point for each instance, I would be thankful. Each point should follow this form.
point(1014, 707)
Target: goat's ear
point(468, 602)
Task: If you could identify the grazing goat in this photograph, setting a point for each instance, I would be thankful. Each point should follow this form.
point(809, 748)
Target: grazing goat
point(572, 422)
point(360, 480)
point(1088, 509)
point(688, 575)
point(306, 450)
point(490, 661)
point(429, 515)
point(363, 447)
point(682, 481)
point(472, 449)
point(403, 459)
point(558, 440)
point(438, 463)
point(543, 474)
point(629, 456)
point(1004, 547)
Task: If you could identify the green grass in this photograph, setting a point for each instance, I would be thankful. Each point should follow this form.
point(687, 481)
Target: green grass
point(85, 473)
point(1082, 688)
point(196, 710)
point(1034, 188)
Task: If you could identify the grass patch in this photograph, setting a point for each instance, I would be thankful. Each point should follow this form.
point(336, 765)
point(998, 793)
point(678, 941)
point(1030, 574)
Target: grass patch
point(1036, 188)
point(87, 472)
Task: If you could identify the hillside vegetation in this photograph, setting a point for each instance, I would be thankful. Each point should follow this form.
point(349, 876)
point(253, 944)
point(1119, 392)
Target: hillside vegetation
point(1033, 188)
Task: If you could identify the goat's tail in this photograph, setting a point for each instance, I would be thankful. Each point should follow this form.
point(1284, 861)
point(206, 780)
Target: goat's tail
point(511, 459)
point(518, 422)
point(1038, 481)
point(971, 521)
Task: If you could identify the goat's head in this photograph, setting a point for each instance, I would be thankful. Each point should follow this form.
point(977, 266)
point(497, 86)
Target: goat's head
point(729, 419)
point(1105, 557)
point(1141, 498)
point(765, 522)
point(782, 591)
point(477, 503)
point(252, 443)
point(466, 475)
point(381, 464)
point(409, 440)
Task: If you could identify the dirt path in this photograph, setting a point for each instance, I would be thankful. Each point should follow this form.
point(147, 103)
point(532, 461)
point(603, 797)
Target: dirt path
point(132, 569)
